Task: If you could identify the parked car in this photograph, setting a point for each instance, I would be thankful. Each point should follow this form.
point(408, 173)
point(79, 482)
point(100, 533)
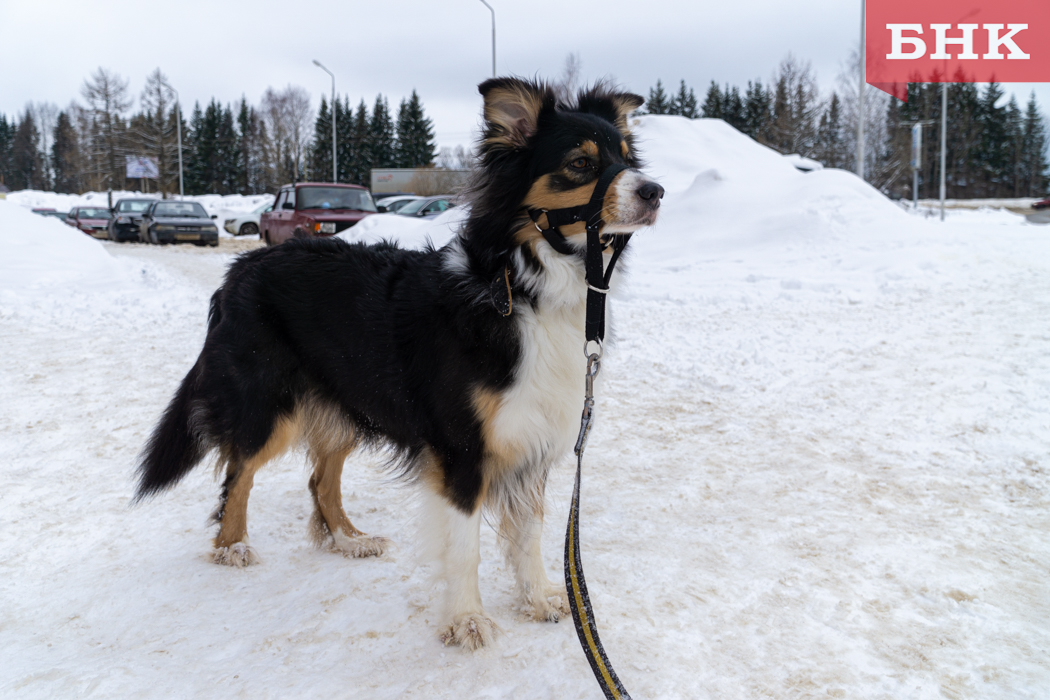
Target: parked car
point(315, 209)
point(427, 207)
point(1041, 215)
point(247, 224)
point(94, 221)
point(48, 211)
point(168, 221)
point(127, 216)
point(393, 204)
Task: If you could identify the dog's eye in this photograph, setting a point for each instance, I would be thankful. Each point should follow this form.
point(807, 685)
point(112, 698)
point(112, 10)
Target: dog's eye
point(579, 164)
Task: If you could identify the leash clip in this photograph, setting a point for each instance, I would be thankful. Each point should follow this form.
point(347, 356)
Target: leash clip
point(594, 365)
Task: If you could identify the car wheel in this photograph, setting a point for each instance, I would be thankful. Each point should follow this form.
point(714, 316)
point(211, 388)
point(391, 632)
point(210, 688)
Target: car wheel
point(249, 229)
point(266, 237)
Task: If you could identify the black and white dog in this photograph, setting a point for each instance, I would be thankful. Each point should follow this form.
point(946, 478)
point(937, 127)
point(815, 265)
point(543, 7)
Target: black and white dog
point(466, 361)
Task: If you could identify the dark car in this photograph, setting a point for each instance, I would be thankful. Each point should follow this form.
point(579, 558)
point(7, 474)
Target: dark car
point(94, 221)
point(168, 221)
point(315, 209)
point(48, 211)
point(427, 207)
point(127, 215)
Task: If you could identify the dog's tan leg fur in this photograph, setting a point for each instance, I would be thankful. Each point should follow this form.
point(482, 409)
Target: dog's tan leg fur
point(540, 599)
point(329, 518)
point(231, 544)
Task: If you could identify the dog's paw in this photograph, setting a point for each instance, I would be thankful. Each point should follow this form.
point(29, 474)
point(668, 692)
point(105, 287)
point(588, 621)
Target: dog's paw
point(238, 554)
point(359, 546)
point(548, 605)
point(472, 631)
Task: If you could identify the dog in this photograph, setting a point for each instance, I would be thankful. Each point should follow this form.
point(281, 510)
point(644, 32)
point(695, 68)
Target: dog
point(466, 361)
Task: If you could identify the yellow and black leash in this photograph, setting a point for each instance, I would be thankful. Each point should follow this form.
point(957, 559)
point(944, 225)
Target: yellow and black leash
point(575, 584)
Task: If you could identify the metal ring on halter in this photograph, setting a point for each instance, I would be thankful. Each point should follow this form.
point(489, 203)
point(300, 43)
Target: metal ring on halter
point(588, 354)
point(537, 223)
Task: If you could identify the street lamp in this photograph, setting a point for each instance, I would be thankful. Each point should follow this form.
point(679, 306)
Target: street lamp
point(178, 132)
point(335, 162)
point(860, 95)
point(493, 36)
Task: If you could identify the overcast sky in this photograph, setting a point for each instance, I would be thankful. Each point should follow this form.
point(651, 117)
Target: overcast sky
point(441, 48)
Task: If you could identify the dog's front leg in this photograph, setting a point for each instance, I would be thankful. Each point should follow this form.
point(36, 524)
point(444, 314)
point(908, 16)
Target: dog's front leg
point(540, 598)
point(468, 624)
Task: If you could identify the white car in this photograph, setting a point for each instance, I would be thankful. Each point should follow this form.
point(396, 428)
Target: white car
point(247, 224)
point(394, 204)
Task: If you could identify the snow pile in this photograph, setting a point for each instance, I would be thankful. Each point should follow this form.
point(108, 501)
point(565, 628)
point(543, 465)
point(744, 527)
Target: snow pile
point(43, 251)
point(223, 206)
point(407, 231)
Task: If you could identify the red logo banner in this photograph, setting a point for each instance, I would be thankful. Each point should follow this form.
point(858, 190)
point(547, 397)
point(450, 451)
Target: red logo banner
point(953, 41)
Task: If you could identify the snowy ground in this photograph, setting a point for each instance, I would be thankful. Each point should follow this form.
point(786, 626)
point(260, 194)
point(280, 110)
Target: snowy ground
point(820, 470)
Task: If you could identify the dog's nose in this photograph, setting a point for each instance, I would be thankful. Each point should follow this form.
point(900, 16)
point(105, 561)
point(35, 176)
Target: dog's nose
point(651, 193)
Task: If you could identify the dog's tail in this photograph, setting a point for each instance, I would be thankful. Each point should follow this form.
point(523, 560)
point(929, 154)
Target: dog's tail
point(179, 442)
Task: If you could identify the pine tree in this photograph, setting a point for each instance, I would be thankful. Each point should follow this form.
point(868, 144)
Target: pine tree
point(829, 149)
point(415, 135)
point(712, 107)
point(361, 172)
point(733, 108)
point(107, 98)
point(658, 102)
point(27, 166)
point(685, 102)
point(7, 136)
point(380, 136)
point(993, 147)
point(65, 156)
point(346, 144)
point(229, 154)
point(756, 111)
point(321, 151)
point(195, 165)
point(1034, 165)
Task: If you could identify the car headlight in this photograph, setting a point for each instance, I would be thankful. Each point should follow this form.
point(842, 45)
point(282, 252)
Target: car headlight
point(122, 219)
point(209, 229)
point(324, 227)
point(228, 222)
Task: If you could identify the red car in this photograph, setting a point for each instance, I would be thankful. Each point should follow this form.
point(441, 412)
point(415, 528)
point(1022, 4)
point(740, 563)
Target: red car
point(315, 209)
point(94, 221)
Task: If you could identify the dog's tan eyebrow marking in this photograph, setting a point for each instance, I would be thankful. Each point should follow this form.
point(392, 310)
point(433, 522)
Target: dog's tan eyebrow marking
point(590, 148)
point(624, 149)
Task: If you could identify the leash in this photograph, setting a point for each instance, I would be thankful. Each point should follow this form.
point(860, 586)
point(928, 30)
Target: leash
point(597, 288)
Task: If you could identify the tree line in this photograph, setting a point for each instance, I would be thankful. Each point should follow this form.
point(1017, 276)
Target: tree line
point(992, 150)
point(237, 148)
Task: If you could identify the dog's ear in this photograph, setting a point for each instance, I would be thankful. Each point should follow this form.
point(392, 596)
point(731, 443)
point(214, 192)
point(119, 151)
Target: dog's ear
point(512, 110)
point(614, 106)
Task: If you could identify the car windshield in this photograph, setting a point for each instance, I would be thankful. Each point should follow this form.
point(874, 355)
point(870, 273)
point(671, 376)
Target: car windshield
point(133, 205)
point(94, 214)
point(334, 198)
point(182, 210)
point(265, 207)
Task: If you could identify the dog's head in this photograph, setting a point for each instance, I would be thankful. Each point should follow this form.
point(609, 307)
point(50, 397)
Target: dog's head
point(541, 154)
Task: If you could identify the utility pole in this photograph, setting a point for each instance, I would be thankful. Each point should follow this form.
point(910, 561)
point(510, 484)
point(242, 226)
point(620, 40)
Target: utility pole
point(944, 142)
point(860, 95)
point(335, 158)
point(493, 36)
point(178, 132)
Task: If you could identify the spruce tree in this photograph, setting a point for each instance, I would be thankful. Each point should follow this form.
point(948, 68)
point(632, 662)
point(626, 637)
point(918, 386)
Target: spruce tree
point(361, 172)
point(7, 136)
point(321, 152)
point(27, 166)
point(195, 160)
point(229, 154)
point(733, 108)
point(65, 156)
point(658, 102)
point(415, 135)
point(685, 102)
point(345, 139)
point(756, 111)
point(712, 107)
point(380, 136)
point(1034, 165)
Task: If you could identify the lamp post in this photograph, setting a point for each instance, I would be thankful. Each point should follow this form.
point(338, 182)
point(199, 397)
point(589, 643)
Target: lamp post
point(178, 132)
point(335, 163)
point(860, 95)
point(493, 36)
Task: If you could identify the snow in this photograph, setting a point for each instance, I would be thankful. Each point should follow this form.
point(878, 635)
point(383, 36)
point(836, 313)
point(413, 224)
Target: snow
point(819, 469)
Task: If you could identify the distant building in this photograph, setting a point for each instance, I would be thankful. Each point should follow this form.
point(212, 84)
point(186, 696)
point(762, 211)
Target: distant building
point(422, 181)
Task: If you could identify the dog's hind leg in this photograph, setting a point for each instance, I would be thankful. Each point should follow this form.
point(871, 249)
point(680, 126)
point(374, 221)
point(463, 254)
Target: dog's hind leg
point(231, 544)
point(329, 518)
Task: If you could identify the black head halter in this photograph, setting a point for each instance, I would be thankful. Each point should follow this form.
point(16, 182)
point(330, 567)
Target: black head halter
point(591, 214)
